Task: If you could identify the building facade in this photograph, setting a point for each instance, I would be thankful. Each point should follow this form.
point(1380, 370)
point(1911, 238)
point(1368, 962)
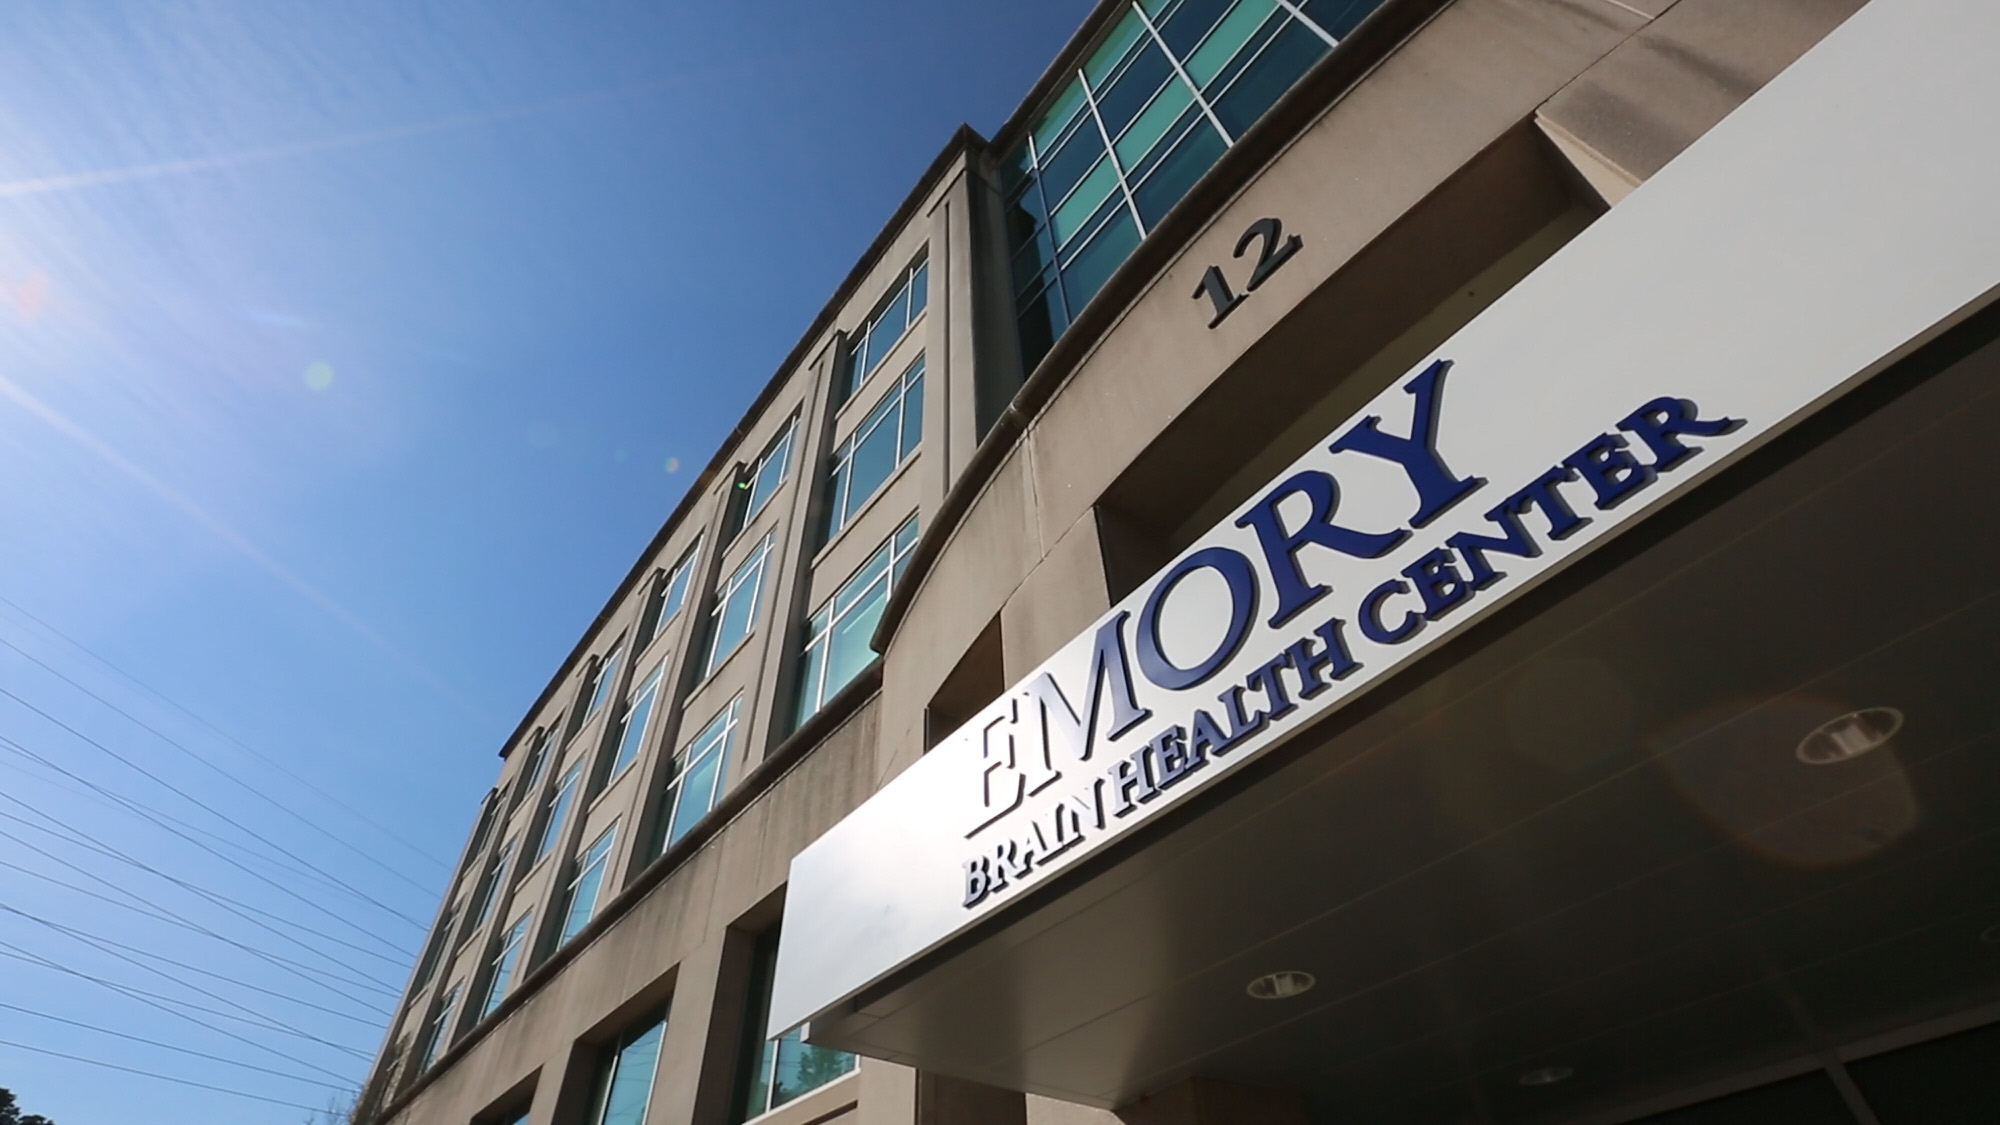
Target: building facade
point(1362, 560)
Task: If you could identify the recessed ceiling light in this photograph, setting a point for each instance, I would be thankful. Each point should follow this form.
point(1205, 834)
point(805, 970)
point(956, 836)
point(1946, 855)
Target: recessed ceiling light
point(1992, 935)
point(1546, 1075)
point(1281, 986)
point(1850, 736)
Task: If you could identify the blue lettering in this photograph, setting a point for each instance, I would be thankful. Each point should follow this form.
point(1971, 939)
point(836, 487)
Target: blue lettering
point(1438, 488)
point(1370, 615)
point(1281, 547)
point(1661, 422)
point(1242, 580)
point(1609, 470)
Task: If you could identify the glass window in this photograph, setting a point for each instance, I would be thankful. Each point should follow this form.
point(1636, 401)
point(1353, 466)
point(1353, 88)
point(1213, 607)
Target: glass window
point(559, 803)
point(1172, 84)
point(625, 1077)
point(604, 679)
point(504, 964)
point(735, 610)
point(870, 456)
point(440, 1026)
point(887, 324)
point(584, 887)
point(638, 712)
point(837, 637)
point(768, 472)
point(670, 590)
point(697, 776)
point(489, 888)
point(538, 760)
point(780, 1069)
point(434, 952)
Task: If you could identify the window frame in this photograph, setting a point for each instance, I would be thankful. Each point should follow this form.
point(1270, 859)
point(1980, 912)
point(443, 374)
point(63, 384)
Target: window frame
point(670, 592)
point(561, 802)
point(439, 1030)
point(488, 891)
point(630, 735)
point(856, 368)
point(841, 510)
point(719, 733)
point(758, 1069)
point(779, 447)
point(603, 680)
point(820, 633)
point(615, 1058)
point(714, 656)
point(595, 857)
point(514, 945)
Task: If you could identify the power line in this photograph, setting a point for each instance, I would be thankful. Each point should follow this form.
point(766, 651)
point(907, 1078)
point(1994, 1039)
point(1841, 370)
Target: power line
point(71, 836)
point(129, 893)
point(213, 811)
point(251, 1016)
point(167, 1046)
point(350, 810)
point(106, 945)
point(161, 1077)
point(133, 804)
point(239, 782)
point(156, 1000)
point(296, 968)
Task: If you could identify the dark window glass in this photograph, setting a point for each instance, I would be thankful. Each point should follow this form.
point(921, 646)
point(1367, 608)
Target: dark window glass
point(1069, 164)
point(1188, 23)
point(1115, 205)
point(1041, 321)
point(1178, 129)
point(1130, 91)
point(1213, 70)
point(1339, 17)
point(1195, 153)
point(1266, 79)
point(1090, 269)
point(625, 1077)
point(778, 1070)
point(1031, 264)
point(1024, 216)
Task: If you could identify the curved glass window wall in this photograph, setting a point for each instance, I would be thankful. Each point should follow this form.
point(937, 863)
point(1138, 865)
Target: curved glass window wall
point(1168, 90)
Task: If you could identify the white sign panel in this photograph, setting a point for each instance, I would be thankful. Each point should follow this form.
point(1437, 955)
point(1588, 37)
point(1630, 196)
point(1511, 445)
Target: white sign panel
point(1843, 213)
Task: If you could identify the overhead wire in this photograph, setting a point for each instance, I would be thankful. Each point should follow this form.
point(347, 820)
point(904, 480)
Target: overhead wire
point(161, 1077)
point(218, 814)
point(164, 1046)
point(107, 945)
point(234, 905)
point(172, 1006)
point(296, 968)
point(441, 864)
point(129, 893)
point(232, 778)
point(250, 1015)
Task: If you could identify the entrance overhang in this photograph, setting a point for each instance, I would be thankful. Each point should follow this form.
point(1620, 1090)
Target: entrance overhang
point(1544, 636)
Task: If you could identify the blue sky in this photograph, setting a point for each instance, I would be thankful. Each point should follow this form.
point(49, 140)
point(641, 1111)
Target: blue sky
point(349, 354)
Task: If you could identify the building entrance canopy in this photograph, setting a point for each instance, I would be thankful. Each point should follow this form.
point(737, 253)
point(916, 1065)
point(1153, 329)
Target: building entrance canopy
point(1493, 713)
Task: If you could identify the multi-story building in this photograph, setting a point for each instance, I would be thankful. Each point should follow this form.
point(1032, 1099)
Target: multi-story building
point(1362, 560)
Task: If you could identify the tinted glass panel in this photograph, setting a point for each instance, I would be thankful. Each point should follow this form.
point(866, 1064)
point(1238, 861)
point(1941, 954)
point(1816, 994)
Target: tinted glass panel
point(1183, 30)
point(635, 726)
point(627, 1081)
point(1070, 163)
point(1339, 17)
point(697, 793)
point(1178, 172)
point(1289, 55)
point(1122, 100)
point(873, 461)
point(913, 414)
point(1112, 51)
point(1088, 272)
point(1061, 113)
point(1237, 29)
point(1167, 107)
point(1040, 322)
